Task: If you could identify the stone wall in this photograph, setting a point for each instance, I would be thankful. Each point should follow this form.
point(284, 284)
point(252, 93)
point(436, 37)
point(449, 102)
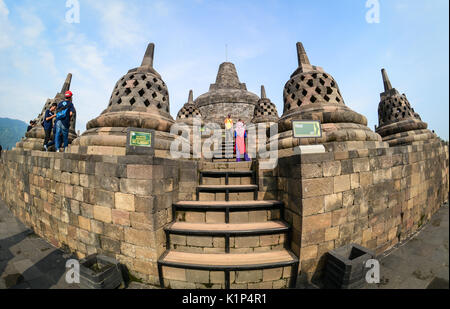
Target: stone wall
point(112, 205)
point(119, 205)
point(374, 198)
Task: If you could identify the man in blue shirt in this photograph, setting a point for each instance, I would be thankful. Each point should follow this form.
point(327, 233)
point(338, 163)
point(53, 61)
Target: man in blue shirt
point(48, 125)
point(65, 110)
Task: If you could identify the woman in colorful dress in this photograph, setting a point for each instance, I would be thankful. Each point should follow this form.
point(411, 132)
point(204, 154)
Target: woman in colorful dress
point(240, 134)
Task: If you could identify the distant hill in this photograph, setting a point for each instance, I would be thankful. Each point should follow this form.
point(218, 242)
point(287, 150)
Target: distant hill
point(11, 131)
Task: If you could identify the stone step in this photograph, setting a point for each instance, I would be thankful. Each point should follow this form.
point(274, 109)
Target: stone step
point(223, 177)
point(228, 261)
point(229, 238)
point(216, 229)
point(239, 216)
point(274, 269)
point(227, 192)
point(224, 206)
point(225, 188)
point(225, 166)
point(206, 180)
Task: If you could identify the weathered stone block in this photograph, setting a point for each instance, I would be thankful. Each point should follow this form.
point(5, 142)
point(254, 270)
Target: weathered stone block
point(249, 276)
point(313, 170)
point(124, 201)
point(120, 217)
point(333, 202)
point(139, 237)
point(215, 217)
point(332, 233)
point(316, 187)
point(341, 183)
point(361, 165)
point(331, 168)
point(197, 276)
point(140, 171)
point(314, 205)
point(84, 223)
point(102, 214)
point(136, 186)
point(247, 242)
point(339, 217)
point(316, 222)
point(308, 252)
point(141, 220)
point(174, 273)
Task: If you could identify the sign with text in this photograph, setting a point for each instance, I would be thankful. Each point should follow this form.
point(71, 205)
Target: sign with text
point(140, 141)
point(306, 129)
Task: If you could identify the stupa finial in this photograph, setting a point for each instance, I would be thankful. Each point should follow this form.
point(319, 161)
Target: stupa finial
point(66, 86)
point(386, 81)
point(148, 57)
point(191, 97)
point(263, 92)
point(301, 54)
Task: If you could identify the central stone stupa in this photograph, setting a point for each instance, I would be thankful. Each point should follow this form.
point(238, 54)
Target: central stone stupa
point(227, 96)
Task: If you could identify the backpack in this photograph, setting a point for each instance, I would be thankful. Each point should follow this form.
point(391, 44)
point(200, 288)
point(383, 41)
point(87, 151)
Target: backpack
point(62, 114)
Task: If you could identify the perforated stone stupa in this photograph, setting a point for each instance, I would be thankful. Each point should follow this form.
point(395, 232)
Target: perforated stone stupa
point(140, 99)
point(313, 94)
point(189, 111)
point(265, 110)
point(398, 122)
point(34, 139)
point(227, 96)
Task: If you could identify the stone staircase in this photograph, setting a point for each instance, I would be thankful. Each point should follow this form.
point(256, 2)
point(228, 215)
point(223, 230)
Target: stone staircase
point(225, 153)
point(228, 238)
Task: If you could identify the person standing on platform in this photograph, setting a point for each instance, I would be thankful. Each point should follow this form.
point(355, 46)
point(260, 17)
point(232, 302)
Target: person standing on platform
point(240, 134)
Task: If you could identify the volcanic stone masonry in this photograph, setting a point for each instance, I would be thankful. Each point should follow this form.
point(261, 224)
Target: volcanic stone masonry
point(372, 189)
point(399, 124)
point(140, 99)
point(313, 94)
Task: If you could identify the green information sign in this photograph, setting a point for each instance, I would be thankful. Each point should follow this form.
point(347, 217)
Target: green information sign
point(140, 139)
point(305, 129)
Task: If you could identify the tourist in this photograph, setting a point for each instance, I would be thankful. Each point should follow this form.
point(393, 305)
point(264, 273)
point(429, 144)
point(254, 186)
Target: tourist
point(240, 134)
point(228, 129)
point(65, 111)
point(48, 125)
point(1, 151)
point(31, 126)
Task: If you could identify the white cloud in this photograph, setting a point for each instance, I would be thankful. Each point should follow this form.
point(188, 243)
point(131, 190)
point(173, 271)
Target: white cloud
point(5, 27)
point(32, 28)
point(119, 23)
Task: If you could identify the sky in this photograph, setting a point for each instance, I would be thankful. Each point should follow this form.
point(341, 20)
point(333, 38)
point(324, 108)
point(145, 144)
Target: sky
point(40, 44)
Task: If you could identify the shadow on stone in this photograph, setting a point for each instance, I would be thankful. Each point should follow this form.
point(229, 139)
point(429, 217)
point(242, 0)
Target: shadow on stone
point(47, 272)
point(5, 244)
point(438, 284)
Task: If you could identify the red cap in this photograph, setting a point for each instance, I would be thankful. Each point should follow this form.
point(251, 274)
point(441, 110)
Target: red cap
point(68, 94)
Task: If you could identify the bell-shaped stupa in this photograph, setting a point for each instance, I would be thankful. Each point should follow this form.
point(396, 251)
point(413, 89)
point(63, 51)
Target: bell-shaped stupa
point(189, 111)
point(34, 139)
point(399, 124)
point(313, 94)
point(228, 96)
point(265, 110)
point(140, 99)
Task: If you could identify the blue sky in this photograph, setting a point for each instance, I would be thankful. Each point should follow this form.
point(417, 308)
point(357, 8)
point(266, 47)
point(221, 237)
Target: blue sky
point(38, 47)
